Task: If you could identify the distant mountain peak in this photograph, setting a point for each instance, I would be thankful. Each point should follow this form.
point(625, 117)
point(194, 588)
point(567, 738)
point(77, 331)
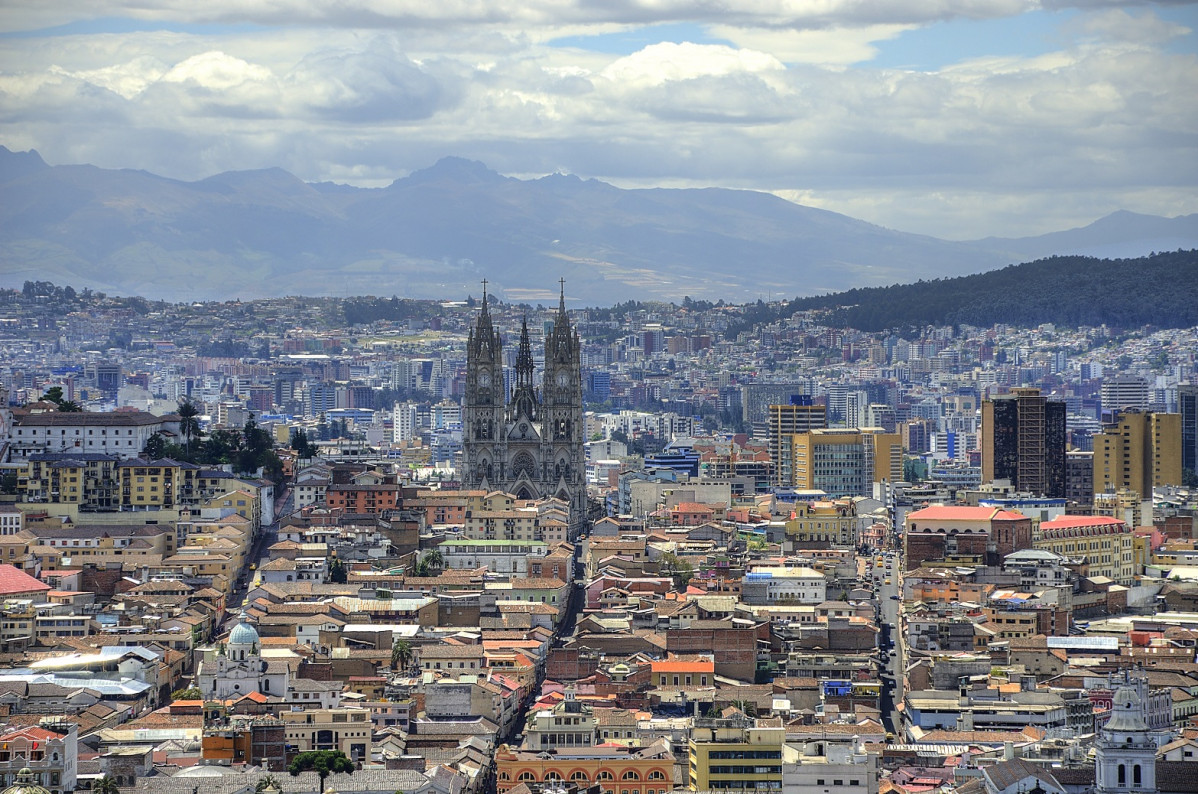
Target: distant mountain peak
point(455, 169)
point(17, 164)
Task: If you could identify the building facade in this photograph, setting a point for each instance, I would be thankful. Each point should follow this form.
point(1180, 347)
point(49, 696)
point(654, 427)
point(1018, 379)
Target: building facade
point(797, 416)
point(1138, 451)
point(1187, 404)
point(530, 445)
point(1023, 440)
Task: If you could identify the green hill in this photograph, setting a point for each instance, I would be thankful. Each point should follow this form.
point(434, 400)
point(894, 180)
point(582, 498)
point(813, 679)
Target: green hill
point(1160, 289)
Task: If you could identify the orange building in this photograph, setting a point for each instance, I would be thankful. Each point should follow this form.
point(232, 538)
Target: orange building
point(354, 498)
point(446, 507)
point(948, 591)
point(673, 673)
point(615, 768)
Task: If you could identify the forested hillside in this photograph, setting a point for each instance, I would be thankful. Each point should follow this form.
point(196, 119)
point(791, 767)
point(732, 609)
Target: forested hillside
point(1161, 290)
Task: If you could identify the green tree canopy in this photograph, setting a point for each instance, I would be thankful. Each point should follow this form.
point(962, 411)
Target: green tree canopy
point(322, 762)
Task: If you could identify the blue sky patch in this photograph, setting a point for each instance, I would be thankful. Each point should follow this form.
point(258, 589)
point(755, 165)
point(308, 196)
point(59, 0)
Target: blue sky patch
point(627, 42)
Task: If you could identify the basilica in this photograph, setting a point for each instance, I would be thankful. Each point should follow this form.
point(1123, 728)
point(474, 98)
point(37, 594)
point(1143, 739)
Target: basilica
point(529, 444)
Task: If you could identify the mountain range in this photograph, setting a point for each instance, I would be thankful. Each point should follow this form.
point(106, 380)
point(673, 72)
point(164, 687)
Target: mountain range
point(438, 232)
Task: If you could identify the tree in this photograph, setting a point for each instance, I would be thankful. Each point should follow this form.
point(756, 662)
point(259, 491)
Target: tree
point(401, 654)
point(190, 693)
point(679, 569)
point(54, 395)
point(155, 447)
point(337, 571)
point(189, 424)
point(430, 563)
point(106, 785)
point(302, 445)
point(322, 762)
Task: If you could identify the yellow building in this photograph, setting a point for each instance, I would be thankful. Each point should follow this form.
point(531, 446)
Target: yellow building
point(1122, 504)
point(344, 729)
point(886, 452)
point(823, 522)
point(1008, 625)
point(1106, 545)
point(833, 461)
point(87, 480)
point(735, 752)
point(242, 502)
point(156, 483)
point(1139, 451)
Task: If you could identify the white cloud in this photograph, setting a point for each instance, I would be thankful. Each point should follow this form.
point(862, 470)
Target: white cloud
point(792, 105)
point(1118, 25)
point(668, 62)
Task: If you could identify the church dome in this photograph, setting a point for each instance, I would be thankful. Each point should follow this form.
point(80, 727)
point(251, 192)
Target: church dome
point(243, 633)
point(1125, 712)
point(25, 784)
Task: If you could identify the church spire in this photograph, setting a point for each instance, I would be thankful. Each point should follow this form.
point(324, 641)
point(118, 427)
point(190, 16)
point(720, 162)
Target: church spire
point(483, 340)
point(561, 342)
point(524, 396)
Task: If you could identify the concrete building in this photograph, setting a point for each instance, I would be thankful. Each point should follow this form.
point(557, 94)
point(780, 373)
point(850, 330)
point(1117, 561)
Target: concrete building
point(122, 433)
point(783, 421)
point(831, 767)
point(1079, 476)
point(1105, 544)
point(345, 729)
point(1139, 451)
point(771, 585)
point(735, 752)
point(1123, 392)
point(1023, 440)
point(1187, 405)
point(833, 461)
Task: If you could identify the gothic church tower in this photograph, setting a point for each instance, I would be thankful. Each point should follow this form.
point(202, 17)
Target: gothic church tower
point(530, 445)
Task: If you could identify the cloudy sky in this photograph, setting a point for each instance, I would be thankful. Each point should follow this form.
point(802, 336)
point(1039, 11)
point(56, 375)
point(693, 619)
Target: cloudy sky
point(956, 118)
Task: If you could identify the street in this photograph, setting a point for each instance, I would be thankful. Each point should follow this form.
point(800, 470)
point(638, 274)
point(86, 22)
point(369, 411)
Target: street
point(888, 583)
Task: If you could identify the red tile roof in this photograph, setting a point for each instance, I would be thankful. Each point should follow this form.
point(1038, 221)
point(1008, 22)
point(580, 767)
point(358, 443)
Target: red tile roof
point(1072, 522)
point(14, 581)
point(962, 513)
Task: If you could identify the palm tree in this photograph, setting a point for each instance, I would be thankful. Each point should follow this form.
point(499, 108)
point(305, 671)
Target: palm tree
point(189, 425)
point(401, 654)
point(323, 762)
point(106, 785)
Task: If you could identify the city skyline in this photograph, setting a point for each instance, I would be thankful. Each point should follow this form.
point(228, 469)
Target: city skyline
point(999, 118)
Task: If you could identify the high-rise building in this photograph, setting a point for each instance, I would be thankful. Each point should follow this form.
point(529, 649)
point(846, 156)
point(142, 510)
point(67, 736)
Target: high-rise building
point(1187, 404)
point(797, 416)
point(1079, 476)
point(403, 422)
point(532, 444)
point(1123, 392)
point(1023, 440)
point(883, 454)
point(830, 460)
point(756, 399)
point(1139, 451)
